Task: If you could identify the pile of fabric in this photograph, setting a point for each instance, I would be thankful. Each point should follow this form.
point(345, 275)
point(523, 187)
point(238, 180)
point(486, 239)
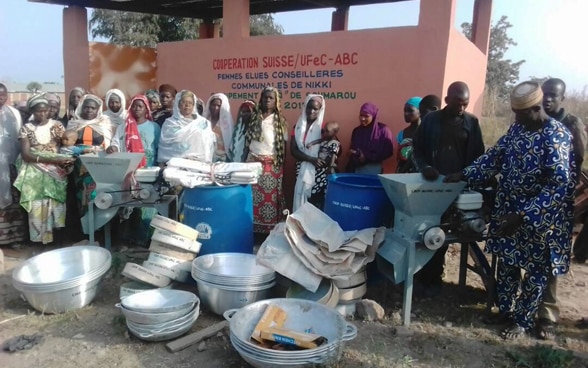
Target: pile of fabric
point(318, 247)
point(192, 173)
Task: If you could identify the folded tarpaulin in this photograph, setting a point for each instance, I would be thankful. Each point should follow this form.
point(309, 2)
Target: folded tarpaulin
point(323, 247)
point(276, 253)
point(192, 173)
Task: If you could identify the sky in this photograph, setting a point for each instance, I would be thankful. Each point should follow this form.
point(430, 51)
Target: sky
point(546, 33)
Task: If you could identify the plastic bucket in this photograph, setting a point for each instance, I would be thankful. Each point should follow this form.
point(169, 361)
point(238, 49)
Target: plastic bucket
point(223, 216)
point(357, 201)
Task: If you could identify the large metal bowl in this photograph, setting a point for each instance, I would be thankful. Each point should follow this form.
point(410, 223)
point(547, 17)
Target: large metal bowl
point(303, 315)
point(61, 268)
point(231, 269)
point(165, 326)
point(166, 334)
point(159, 301)
point(153, 318)
point(220, 298)
point(63, 279)
point(64, 300)
point(331, 356)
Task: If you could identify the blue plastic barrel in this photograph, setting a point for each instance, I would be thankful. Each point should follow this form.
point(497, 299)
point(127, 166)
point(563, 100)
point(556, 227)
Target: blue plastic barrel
point(223, 216)
point(357, 201)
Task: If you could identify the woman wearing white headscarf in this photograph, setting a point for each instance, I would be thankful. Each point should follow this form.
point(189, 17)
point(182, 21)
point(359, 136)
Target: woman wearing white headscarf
point(94, 129)
point(12, 216)
point(218, 112)
point(42, 178)
point(89, 114)
point(307, 129)
point(186, 133)
point(116, 106)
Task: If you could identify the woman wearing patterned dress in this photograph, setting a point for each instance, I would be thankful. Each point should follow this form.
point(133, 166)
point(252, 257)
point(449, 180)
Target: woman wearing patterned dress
point(42, 179)
point(266, 140)
point(531, 224)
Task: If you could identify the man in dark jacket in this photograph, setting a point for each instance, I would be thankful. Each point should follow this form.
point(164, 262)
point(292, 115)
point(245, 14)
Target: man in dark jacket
point(447, 141)
point(554, 90)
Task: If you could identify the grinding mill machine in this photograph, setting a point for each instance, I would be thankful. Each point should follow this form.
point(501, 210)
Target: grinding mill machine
point(417, 231)
point(112, 174)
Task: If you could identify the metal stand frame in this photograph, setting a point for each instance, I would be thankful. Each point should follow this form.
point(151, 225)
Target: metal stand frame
point(167, 206)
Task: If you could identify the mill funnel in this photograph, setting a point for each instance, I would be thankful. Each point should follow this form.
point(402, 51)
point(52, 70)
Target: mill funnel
point(414, 196)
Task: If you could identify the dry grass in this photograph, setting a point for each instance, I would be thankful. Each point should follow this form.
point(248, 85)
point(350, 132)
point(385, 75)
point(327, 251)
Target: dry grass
point(497, 115)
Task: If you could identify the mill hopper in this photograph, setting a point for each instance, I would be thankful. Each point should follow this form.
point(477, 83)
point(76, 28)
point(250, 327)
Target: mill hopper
point(112, 174)
point(418, 206)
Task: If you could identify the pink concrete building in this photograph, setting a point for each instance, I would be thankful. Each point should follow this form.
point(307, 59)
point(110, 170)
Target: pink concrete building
point(347, 67)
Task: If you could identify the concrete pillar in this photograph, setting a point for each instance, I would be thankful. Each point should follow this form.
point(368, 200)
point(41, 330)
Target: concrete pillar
point(76, 49)
point(436, 21)
point(209, 29)
point(235, 19)
point(481, 24)
point(340, 19)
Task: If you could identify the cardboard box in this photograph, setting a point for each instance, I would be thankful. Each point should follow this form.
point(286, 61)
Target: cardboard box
point(273, 316)
point(292, 338)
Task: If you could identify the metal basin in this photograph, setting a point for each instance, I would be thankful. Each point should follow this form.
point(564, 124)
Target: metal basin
point(64, 300)
point(159, 301)
point(220, 298)
point(303, 315)
point(168, 325)
point(61, 268)
point(153, 318)
point(231, 269)
point(164, 335)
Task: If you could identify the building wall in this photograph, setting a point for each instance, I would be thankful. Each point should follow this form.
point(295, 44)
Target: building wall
point(384, 66)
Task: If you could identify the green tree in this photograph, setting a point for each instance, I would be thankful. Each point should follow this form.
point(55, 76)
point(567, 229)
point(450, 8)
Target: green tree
point(34, 87)
point(501, 74)
point(146, 30)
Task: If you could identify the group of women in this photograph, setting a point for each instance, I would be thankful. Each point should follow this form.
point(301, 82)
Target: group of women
point(162, 124)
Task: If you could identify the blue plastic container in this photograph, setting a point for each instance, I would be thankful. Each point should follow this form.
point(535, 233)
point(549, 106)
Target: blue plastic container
point(223, 216)
point(357, 201)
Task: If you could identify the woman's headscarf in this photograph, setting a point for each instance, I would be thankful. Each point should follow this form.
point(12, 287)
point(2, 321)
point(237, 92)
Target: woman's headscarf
point(302, 135)
point(182, 135)
point(101, 124)
point(119, 117)
point(414, 101)
point(133, 141)
point(176, 108)
point(371, 109)
point(238, 152)
point(225, 119)
point(254, 132)
point(153, 95)
point(35, 100)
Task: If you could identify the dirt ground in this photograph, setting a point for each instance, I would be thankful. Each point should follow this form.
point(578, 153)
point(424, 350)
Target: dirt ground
point(445, 332)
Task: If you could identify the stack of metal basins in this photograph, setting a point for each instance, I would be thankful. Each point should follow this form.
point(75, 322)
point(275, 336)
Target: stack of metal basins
point(302, 315)
point(162, 314)
point(231, 280)
point(63, 279)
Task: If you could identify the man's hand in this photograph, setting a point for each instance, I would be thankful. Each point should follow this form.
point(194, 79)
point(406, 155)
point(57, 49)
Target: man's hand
point(508, 224)
point(430, 173)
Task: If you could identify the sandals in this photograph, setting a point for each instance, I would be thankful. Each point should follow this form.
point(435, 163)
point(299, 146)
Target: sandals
point(546, 329)
point(513, 332)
